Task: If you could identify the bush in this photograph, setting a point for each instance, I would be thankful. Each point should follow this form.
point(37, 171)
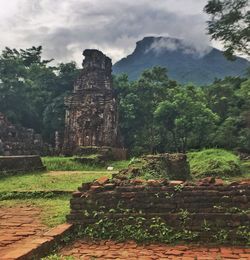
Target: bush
point(214, 162)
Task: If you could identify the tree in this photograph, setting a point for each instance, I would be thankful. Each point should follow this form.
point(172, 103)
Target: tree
point(222, 98)
point(137, 103)
point(244, 134)
point(54, 118)
point(187, 118)
point(153, 87)
point(226, 133)
point(32, 91)
point(229, 98)
point(13, 89)
point(230, 23)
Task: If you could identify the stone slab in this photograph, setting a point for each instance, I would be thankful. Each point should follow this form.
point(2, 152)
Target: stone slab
point(22, 163)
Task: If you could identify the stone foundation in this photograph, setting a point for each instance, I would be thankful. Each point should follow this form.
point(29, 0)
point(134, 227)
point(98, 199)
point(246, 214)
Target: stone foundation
point(15, 164)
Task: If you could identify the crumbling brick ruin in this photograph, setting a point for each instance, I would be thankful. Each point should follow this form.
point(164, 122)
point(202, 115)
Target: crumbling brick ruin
point(207, 208)
point(17, 140)
point(91, 110)
point(168, 166)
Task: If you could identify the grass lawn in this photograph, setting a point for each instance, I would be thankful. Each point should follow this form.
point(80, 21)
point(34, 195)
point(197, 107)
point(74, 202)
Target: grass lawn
point(66, 175)
point(54, 209)
point(65, 181)
point(68, 164)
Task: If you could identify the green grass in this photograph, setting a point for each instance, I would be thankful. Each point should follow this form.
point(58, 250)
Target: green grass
point(53, 211)
point(245, 169)
point(245, 166)
point(214, 162)
point(68, 164)
point(55, 208)
point(118, 165)
point(47, 182)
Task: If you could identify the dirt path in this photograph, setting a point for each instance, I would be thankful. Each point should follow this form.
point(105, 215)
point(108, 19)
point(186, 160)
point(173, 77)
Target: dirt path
point(17, 224)
point(130, 251)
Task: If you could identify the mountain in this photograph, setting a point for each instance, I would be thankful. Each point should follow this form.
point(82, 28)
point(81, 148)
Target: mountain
point(184, 62)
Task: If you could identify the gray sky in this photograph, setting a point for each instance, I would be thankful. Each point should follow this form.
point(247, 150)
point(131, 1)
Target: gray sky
point(65, 27)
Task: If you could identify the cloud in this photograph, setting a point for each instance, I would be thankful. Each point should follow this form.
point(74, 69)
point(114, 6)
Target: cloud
point(196, 49)
point(65, 27)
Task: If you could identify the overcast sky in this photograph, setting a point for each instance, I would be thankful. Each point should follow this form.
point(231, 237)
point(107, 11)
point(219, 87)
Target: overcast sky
point(65, 27)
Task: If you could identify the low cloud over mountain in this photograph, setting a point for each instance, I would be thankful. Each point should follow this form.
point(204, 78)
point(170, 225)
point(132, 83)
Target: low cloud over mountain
point(185, 62)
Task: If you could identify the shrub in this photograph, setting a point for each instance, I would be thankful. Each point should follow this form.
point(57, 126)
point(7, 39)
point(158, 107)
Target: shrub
point(214, 162)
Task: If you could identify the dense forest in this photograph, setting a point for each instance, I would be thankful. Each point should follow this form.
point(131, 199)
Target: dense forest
point(156, 114)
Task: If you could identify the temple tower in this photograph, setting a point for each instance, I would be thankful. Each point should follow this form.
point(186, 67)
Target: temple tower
point(91, 110)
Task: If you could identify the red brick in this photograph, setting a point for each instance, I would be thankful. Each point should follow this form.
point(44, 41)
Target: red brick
point(175, 183)
point(230, 256)
point(226, 250)
point(245, 255)
point(102, 180)
point(174, 252)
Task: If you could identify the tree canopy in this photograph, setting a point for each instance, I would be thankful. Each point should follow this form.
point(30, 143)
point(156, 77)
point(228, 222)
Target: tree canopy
point(158, 114)
point(230, 23)
point(31, 89)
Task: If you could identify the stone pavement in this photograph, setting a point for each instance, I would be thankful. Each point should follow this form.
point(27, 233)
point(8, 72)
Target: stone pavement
point(18, 224)
point(105, 250)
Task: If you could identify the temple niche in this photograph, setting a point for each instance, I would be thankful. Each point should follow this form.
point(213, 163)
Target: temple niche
point(91, 110)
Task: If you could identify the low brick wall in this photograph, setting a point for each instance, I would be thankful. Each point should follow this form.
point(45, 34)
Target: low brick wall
point(204, 208)
point(26, 163)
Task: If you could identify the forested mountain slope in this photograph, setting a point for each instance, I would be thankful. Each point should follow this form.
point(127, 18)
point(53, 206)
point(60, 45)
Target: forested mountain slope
point(183, 61)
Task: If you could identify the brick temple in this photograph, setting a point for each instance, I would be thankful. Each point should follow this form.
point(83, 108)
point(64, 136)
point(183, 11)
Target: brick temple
point(91, 110)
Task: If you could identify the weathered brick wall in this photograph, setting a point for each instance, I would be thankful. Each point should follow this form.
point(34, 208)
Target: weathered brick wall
point(208, 205)
point(17, 140)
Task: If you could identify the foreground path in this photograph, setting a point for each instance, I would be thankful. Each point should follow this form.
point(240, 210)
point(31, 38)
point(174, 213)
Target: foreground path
point(18, 224)
point(110, 250)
